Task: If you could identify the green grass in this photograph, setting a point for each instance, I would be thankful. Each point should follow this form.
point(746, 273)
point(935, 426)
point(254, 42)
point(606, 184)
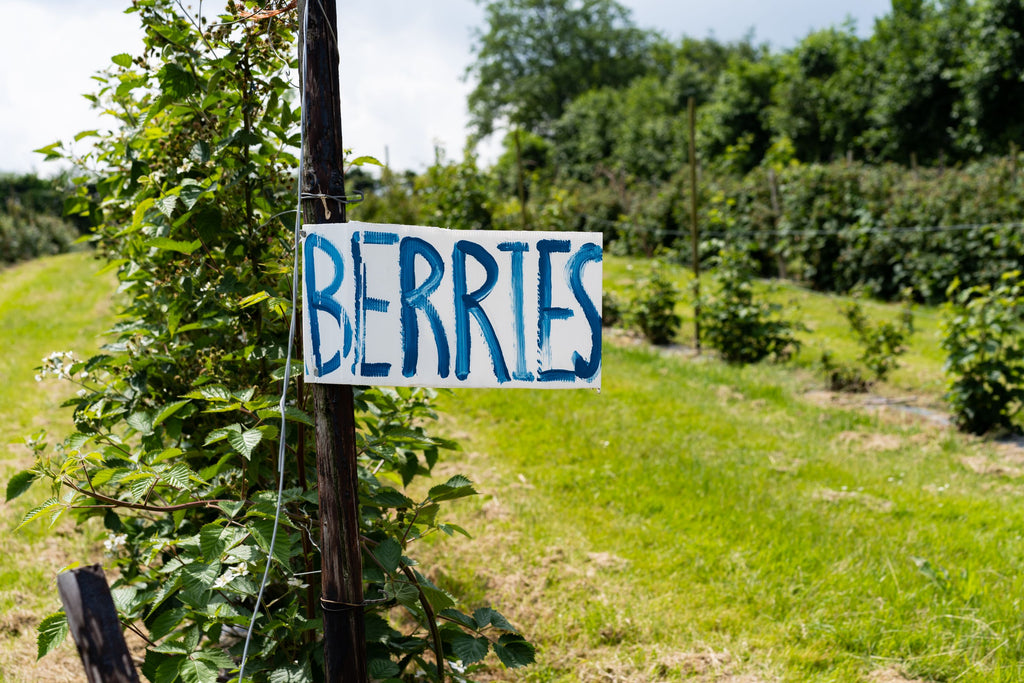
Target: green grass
point(691, 521)
point(51, 304)
point(692, 507)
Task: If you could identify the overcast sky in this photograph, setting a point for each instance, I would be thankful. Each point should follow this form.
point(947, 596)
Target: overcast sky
point(402, 63)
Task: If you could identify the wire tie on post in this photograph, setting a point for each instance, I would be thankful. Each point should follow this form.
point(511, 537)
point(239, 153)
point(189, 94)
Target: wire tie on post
point(335, 606)
point(354, 198)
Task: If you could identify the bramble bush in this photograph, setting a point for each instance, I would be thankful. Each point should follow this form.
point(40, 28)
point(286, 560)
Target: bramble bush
point(982, 336)
point(652, 309)
point(174, 446)
point(734, 323)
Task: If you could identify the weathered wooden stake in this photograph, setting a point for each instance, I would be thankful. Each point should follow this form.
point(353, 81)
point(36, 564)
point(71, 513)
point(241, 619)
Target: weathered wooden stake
point(333, 409)
point(694, 233)
point(95, 627)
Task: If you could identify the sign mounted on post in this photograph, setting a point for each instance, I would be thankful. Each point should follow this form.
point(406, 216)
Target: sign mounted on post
point(399, 305)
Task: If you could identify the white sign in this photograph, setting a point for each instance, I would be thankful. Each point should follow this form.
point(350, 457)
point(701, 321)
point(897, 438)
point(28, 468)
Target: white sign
point(398, 305)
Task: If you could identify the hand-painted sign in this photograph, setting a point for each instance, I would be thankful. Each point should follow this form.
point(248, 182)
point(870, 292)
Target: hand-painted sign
point(399, 305)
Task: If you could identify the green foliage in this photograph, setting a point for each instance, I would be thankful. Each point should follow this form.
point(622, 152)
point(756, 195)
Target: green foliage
point(25, 235)
point(982, 335)
point(177, 421)
point(881, 343)
point(733, 322)
point(454, 195)
point(652, 309)
point(536, 56)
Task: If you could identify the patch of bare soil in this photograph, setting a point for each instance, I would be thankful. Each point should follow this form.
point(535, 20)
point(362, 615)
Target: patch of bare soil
point(892, 675)
point(866, 499)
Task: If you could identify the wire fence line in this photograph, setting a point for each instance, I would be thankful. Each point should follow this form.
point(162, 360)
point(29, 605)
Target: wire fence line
point(635, 226)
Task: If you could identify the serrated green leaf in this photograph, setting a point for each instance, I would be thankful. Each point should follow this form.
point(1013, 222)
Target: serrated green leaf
point(179, 476)
point(468, 649)
point(123, 60)
point(213, 541)
point(52, 631)
point(165, 205)
point(167, 244)
point(212, 392)
point(291, 413)
point(141, 421)
point(391, 498)
point(459, 618)
point(166, 623)
point(383, 668)
point(245, 442)
point(292, 674)
point(169, 410)
point(514, 652)
point(47, 507)
point(253, 299)
point(19, 483)
point(195, 670)
point(456, 487)
point(486, 616)
point(221, 434)
point(389, 554)
point(365, 160)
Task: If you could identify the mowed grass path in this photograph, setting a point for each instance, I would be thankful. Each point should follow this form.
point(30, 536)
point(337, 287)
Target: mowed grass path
point(51, 304)
point(705, 522)
point(692, 521)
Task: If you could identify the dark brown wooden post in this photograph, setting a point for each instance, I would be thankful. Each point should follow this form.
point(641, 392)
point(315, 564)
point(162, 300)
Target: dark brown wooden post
point(93, 622)
point(333, 410)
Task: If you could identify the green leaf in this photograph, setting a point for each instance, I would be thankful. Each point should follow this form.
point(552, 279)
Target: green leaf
point(292, 674)
point(391, 498)
point(245, 442)
point(292, 413)
point(166, 206)
point(468, 649)
point(389, 554)
point(167, 244)
point(486, 616)
point(383, 668)
point(166, 623)
point(456, 487)
point(195, 670)
point(213, 541)
point(52, 631)
point(514, 652)
point(169, 410)
point(253, 299)
point(179, 476)
point(459, 618)
point(20, 483)
point(212, 392)
point(47, 507)
point(365, 160)
point(123, 60)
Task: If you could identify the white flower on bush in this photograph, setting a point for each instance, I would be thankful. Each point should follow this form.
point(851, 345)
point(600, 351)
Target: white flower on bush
point(57, 364)
point(115, 542)
point(296, 582)
point(230, 575)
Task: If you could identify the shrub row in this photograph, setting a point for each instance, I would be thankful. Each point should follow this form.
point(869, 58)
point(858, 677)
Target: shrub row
point(836, 227)
point(30, 235)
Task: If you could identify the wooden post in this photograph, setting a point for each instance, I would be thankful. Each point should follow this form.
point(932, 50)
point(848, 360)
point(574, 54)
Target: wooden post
point(694, 234)
point(773, 192)
point(93, 622)
point(522, 184)
point(333, 408)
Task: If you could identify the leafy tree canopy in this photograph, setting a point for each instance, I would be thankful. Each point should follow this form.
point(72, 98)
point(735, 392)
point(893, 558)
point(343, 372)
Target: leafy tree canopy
point(536, 56)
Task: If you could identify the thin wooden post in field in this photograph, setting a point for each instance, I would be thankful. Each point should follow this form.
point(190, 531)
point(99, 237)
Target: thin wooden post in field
point(323, 189)
point(694, 230)
point(95, 627)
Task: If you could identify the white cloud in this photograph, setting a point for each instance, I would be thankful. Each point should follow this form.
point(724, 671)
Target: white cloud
point(402, 64)
point(50, 54)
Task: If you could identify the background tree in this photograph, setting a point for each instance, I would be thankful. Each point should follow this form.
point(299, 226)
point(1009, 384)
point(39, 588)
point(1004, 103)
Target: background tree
point(536, 56)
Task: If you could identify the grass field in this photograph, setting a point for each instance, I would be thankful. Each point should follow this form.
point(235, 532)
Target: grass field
point(52, 304)
point(691, 521)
